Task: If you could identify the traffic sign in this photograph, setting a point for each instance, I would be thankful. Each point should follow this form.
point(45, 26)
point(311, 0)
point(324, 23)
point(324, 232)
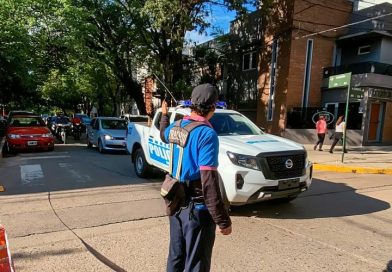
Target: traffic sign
point(337, 81)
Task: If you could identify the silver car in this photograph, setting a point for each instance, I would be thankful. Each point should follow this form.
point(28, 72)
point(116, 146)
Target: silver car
point(107, 133)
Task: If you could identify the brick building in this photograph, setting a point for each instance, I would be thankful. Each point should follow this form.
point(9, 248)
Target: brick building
point(291, 60)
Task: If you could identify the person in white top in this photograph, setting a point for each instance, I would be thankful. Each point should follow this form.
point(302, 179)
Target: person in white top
point(339, 130)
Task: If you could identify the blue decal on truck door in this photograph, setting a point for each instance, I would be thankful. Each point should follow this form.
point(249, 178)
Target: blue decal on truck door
point(159, 151)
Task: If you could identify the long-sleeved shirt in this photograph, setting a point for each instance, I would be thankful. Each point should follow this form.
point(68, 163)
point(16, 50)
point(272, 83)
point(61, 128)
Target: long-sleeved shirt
point(200, 162)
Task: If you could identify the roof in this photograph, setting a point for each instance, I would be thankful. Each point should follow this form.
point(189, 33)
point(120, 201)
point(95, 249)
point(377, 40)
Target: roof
point(365, 34)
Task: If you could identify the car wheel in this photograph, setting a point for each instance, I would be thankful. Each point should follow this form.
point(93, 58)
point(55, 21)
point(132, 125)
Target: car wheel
point(89, 145)
point(142, 168)
point(51, 148)
point(100, 147)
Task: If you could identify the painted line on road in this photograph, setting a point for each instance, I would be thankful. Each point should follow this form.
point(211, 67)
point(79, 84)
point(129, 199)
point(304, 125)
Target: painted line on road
point(44, 157)
point(31, 173)
point(75, 175)
point(53, 153)
point(352, 169)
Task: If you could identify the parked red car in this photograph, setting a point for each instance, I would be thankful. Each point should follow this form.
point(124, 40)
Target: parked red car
point(25, 132)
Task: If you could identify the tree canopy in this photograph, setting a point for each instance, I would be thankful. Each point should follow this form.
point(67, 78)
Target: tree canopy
point(74, 54)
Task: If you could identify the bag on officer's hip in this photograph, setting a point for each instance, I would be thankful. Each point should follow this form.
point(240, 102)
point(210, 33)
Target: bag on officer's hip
point(173, 193)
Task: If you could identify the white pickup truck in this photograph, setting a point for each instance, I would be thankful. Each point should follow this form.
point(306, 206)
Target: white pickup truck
point(253, 166)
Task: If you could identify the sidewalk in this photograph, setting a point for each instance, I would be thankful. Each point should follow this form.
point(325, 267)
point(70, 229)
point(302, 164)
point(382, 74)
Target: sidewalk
point(359, 159)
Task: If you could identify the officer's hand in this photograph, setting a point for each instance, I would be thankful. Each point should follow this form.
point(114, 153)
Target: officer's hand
point(226, 231)
point(164, 107)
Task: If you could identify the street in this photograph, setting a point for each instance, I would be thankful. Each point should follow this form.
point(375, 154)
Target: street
point(75, 209)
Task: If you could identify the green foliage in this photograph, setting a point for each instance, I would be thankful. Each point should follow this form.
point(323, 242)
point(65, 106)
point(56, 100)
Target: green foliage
point(79, 53)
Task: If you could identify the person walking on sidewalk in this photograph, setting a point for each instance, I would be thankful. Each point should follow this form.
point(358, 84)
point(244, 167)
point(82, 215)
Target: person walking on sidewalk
point(192, 227)
point(321, 128)
point(340, 129)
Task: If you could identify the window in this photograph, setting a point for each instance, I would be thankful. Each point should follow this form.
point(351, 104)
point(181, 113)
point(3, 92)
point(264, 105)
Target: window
point(157, 122)
point(308, 69)
point(362, 50)
point(249, 61)
point(274, 60)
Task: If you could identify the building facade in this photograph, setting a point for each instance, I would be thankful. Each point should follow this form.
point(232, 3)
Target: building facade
point(365, 51)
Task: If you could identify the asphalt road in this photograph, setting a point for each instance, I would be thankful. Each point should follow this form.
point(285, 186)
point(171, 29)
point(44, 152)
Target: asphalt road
point(77, 210)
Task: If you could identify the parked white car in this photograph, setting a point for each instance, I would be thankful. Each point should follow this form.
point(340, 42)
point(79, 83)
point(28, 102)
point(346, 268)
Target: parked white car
point(107, 133)
point(253, 166)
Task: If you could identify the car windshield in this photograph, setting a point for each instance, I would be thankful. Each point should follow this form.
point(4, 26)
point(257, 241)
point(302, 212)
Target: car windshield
point(62, 120)
point(230, 124)
point(82, 116)
point(27, 121)
point(114, 124)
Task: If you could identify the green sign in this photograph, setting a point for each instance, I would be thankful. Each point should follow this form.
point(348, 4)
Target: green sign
point(342, 80)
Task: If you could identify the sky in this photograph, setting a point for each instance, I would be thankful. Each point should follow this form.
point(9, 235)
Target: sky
point(220, 17)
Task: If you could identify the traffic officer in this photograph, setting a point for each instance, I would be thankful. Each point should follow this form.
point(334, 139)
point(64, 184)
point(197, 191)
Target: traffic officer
point(192, 228)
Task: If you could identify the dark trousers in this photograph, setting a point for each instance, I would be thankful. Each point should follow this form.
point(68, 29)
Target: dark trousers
point(337, 137)
point(192, 237)
point(320, 141)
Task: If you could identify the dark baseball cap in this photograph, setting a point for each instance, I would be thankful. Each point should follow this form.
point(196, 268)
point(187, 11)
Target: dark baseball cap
point(204, 94)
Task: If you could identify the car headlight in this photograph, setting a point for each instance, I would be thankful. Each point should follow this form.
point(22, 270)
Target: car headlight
point(47, 135)
point(244, 160)
point(14, 136)
point(108, 137)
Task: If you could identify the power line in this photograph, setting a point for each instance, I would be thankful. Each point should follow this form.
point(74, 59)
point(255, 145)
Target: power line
point(324, 24)
point(343, 26)
point(357, 13)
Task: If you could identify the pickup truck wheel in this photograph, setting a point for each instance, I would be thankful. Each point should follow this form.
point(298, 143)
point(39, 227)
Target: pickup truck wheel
point(142, 168)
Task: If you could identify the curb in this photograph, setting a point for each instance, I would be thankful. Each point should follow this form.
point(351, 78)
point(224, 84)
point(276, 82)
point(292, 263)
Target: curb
point(352, 169)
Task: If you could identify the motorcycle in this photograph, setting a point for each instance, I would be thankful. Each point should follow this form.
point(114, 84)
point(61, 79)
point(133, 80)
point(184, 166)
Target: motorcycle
point(62, 131)
point(77, 130)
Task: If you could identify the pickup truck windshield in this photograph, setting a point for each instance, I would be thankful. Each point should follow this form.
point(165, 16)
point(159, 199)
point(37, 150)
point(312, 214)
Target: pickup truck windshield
point(230, 124)
point(114, 124)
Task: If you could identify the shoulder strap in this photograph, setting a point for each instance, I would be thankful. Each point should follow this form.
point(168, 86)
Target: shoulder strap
point(193, 125)
point(189, 127)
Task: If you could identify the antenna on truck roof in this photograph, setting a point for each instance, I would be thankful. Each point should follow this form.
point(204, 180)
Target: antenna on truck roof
point(167, 90)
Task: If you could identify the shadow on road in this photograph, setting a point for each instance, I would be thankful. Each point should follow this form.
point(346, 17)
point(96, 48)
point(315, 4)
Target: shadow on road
point(324, 199)
point(72, 166)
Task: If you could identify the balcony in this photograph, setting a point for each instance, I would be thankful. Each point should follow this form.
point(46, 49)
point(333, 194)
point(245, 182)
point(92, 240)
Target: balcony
point(359, 68)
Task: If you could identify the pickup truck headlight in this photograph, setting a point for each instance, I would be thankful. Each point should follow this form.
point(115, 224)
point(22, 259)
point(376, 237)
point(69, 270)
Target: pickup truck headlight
point(244, 160)
point(108, 137)
point(14, 136)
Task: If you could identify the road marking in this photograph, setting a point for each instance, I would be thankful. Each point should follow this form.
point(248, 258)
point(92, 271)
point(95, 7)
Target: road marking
point(31, 173)
point(2, 189)
point(44, 157)
point(75, 175)
point(35, 154)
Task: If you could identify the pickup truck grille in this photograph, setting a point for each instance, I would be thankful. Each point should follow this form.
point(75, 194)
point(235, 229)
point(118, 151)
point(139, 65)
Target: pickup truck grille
point(284, 165)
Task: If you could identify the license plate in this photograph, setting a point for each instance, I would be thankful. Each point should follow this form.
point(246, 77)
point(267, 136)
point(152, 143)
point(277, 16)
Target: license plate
point(288, 184)
point(30, 143)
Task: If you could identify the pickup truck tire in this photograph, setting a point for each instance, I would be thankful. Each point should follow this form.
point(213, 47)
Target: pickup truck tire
point(142, 168)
